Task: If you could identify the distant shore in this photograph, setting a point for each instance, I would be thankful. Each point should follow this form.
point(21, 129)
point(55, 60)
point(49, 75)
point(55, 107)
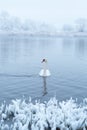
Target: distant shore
point(37, 34)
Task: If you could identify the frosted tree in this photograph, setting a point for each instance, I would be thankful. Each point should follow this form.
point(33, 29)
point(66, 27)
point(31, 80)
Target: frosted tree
point(81, 24)
point(4, 21)
point(67, 28)
point(9, 23)
point(16, 25)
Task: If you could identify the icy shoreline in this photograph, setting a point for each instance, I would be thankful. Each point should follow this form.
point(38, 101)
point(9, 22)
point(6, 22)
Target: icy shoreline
point(39, 34)
point(51, 115)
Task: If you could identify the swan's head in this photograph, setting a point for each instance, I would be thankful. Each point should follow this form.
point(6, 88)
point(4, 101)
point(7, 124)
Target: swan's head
point(44, 60)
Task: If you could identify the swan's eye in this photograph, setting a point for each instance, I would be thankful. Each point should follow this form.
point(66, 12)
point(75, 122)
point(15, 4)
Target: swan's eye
point(43, 60)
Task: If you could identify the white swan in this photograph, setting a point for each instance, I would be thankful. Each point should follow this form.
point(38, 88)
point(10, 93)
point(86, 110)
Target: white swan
point(44, 72)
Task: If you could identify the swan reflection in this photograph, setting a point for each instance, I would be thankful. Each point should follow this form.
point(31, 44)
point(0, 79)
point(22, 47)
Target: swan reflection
point(44, 86)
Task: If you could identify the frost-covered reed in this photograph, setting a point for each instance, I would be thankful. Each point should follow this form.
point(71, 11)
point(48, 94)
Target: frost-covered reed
point(51, 115)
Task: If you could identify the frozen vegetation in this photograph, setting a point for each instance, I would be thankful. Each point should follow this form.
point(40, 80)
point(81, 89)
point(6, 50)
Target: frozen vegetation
point(14, 25)
point(51, 115)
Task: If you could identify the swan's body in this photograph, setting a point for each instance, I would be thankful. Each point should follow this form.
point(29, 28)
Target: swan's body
point(44, 72)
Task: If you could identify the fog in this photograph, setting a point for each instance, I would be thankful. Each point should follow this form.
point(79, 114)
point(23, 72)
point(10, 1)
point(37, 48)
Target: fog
point(54, 12)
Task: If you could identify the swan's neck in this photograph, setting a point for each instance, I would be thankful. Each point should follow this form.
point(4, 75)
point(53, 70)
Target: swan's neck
point(44, 66)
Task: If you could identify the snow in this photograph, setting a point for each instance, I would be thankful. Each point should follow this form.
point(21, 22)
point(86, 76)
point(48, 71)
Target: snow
point(53, 114)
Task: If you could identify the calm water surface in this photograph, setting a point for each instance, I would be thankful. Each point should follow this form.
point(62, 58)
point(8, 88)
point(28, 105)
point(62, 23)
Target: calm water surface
point(20, 63)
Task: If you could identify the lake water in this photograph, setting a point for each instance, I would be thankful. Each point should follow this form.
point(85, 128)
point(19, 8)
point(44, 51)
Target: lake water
point(20, 64)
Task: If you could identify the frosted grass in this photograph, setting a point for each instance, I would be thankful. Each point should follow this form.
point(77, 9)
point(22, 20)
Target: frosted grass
point(51, 115)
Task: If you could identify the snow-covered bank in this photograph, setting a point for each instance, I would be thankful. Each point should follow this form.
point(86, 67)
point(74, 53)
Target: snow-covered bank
point(40, 34)
point(51, 115)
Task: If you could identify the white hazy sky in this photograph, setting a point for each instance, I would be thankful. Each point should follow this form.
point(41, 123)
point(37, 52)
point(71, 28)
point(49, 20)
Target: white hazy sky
point(55, 12)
